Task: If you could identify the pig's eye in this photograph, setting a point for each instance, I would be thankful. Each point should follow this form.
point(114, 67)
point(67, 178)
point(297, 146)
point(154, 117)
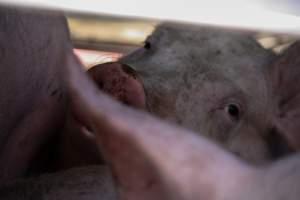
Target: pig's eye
point(147, 45)
point(233, 111)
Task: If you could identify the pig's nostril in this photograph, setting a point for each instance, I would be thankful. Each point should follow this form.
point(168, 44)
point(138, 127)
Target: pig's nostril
point(129, 71)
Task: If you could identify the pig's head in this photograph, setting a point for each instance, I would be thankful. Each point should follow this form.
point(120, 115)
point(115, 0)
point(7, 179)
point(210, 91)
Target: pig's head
point(212, 81)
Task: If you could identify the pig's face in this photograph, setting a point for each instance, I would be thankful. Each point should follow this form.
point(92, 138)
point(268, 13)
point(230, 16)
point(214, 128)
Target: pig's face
point(211, 81)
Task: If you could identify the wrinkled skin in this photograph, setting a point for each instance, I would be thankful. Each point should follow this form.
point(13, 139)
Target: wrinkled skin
point(150, 158)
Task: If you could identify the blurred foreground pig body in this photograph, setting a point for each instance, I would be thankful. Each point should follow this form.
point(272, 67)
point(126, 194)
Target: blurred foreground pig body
point(209, 80)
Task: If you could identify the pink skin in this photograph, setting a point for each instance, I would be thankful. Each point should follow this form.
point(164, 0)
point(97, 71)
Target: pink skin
point(120, 82)
point(150, 159)
point(77, 144)
point(33, 91)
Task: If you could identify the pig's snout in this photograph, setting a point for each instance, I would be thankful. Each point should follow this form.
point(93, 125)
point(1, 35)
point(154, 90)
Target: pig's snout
point(121, 82)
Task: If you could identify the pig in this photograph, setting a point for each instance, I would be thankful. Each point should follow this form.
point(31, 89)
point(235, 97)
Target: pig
point(34, 99)
point(148, 158)
point(209, 80)
point(151, 158)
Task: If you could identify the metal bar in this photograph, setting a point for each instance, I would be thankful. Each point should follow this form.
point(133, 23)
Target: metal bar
point(230, 13)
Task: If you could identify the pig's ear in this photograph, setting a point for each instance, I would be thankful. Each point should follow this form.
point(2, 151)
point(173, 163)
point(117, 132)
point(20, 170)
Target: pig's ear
point(149, 158)
point(119, 81)
point(284, 74)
